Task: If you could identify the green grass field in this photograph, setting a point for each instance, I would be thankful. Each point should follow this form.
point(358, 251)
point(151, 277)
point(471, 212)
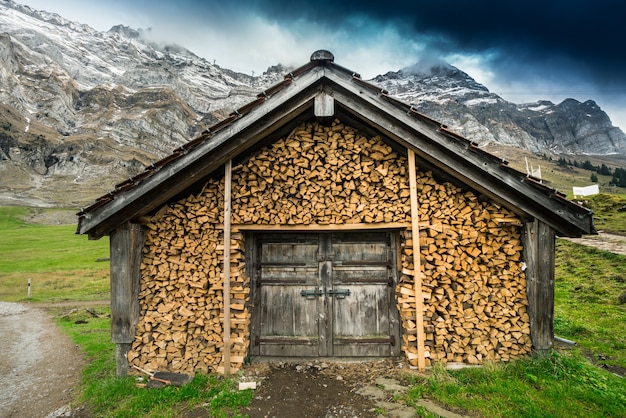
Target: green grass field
point(60, 264)
point(569, 383)
point(609, 212)
point(104, 395)
point(589, 283)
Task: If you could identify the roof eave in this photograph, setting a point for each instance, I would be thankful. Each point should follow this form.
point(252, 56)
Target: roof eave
point(114, 209)
point(473, 166)
point(431, 141)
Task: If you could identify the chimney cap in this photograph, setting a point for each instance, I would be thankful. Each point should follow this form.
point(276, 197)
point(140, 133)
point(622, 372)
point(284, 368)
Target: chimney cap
point(322, 55)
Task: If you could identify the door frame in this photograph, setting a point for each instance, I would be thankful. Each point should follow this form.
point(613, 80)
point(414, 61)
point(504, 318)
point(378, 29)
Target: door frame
point(251, 257)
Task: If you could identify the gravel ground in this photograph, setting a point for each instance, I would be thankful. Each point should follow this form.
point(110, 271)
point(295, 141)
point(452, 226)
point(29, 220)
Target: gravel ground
point(603, 241)
point(39, 364)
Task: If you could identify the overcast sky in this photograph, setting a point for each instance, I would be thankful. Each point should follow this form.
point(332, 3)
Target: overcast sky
point(522, 50)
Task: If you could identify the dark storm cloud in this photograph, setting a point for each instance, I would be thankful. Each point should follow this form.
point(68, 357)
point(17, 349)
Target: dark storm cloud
point(522, 50)
point(520, 35)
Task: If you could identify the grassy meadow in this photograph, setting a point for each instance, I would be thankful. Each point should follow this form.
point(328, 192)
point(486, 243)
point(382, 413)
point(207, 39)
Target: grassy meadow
point(573, 382)
point(609, 211)
point(61, 265)
point(101, 394)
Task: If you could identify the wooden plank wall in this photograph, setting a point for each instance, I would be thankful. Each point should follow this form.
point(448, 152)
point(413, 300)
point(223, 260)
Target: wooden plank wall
point(126, 244)
point(540, 247)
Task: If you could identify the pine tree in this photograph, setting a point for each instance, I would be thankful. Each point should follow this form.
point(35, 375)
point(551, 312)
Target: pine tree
point(588, 166)
point(604, 170)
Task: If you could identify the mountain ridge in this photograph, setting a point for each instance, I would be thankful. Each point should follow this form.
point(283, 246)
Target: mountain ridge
point(81, 110)
point(449, 95)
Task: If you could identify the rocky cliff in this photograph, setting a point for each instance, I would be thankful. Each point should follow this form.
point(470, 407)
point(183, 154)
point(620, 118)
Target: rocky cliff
point(453, 97)
point(82, 110)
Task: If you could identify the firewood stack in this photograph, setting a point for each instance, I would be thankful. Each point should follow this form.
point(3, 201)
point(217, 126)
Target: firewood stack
point(321, 175)
point(473, 286)
point(181, 297)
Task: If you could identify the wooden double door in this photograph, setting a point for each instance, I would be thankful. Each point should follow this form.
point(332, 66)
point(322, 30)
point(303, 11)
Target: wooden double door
point(324, 295)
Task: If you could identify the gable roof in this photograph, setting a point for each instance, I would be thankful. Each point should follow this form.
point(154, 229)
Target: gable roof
point(277, 110)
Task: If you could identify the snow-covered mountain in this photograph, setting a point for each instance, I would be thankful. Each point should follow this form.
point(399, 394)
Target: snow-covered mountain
point(449, 95)
point(81, 110)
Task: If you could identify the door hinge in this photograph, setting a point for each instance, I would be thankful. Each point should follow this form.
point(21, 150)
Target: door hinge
point(338, 293)
point(312, 293)
point(391, 340)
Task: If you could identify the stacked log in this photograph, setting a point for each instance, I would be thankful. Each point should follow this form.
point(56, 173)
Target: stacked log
point(321, 175)
point(474, 289)
point(181, 297)
point(473, 285)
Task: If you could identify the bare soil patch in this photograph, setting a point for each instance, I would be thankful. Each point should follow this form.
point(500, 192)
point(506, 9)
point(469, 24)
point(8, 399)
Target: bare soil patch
point(317, 389)
point(325, 389)
point(288, 392)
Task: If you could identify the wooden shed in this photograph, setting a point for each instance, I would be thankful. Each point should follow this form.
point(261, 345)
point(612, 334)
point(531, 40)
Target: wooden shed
point(317, 197)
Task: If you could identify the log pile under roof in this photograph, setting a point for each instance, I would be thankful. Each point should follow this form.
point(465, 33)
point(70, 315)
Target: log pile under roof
point(474, 287)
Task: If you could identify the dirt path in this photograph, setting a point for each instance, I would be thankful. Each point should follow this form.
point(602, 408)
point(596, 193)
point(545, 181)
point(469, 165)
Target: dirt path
point(607, 242)
point(318, 389)
point(39, 364)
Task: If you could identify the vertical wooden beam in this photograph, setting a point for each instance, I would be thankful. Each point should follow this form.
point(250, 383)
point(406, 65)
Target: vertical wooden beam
point(417, 264)
point(539, 255)
point(126, 244)
point(324, 105)
point(227, 233)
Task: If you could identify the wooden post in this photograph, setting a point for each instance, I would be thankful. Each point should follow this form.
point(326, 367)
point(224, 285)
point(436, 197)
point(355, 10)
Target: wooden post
point(227, 209)
point(126, 245)
point(539, 254)
point(417, 264)
point(324, 105)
